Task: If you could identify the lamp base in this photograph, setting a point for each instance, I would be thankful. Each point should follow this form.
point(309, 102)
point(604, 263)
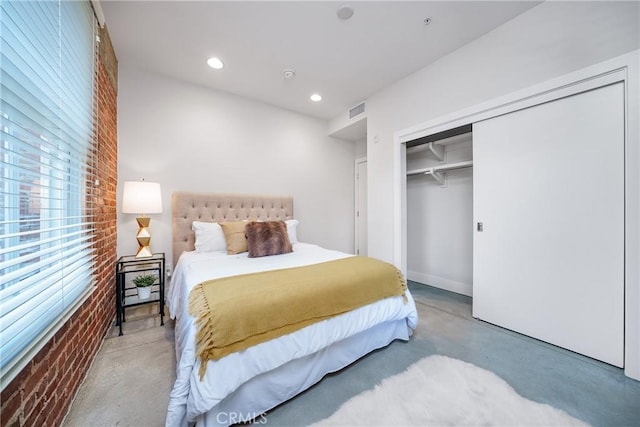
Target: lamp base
point(144, 252)
point(143, 237)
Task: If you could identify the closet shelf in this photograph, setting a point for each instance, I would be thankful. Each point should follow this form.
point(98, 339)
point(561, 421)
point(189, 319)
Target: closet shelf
point(435, 171)
point(436, 150)
point(441, 168)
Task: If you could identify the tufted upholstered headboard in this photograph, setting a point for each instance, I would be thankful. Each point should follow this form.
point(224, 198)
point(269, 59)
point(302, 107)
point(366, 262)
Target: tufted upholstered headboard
point(187, 207)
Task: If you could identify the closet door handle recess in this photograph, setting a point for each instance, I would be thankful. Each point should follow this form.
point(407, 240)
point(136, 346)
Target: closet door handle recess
point(480, 226)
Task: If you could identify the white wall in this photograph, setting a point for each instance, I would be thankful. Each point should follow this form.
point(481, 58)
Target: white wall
point(191, 138)
point(360, 148)
point(547, 41)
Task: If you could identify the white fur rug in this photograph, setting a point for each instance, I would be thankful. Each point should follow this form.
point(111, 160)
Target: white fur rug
point(441, 391)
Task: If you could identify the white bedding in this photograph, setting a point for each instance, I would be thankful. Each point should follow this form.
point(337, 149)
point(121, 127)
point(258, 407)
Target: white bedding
point(190, 397)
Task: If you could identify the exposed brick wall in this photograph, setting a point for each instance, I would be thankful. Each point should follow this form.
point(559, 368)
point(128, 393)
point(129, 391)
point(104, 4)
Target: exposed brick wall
point(42, 393)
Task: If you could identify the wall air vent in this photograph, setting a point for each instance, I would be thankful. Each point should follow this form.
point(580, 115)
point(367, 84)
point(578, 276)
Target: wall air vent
point(358, 109)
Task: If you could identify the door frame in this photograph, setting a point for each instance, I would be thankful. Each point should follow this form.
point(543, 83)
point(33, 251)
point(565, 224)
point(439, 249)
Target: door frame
point(356, 199)
point(624, 68)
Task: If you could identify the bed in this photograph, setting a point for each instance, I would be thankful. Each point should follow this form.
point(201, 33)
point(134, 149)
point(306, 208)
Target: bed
point(243, 385)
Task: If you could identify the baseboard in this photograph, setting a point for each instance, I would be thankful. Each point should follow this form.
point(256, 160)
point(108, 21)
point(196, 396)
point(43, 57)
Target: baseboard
point(441, 282)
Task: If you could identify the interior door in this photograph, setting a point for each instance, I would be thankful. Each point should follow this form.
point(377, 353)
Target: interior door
point(361, 207)
point(549, 218)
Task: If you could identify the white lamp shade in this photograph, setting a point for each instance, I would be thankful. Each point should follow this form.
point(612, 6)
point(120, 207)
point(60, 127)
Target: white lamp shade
point(141, 197)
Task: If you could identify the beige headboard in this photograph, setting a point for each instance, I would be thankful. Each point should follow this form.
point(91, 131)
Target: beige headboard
point(215, 207)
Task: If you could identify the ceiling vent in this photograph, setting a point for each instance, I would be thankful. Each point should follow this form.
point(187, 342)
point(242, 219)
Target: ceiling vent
point(357, 110)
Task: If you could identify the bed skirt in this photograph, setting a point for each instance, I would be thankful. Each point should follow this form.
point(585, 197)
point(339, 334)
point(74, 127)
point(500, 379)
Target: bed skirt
point(272, 388)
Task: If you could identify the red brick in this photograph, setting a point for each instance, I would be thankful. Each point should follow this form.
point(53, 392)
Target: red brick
point(39, 405)
point(31, 398)
point(36, 418)
point(38, 374)
point(10, 406)
point(14, 386)
point(10, 422)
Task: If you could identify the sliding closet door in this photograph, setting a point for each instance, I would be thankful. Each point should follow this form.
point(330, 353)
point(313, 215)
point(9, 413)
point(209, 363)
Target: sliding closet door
point(549, 192)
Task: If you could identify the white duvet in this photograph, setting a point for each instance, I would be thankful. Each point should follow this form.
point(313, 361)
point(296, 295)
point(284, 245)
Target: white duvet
point(191, 397)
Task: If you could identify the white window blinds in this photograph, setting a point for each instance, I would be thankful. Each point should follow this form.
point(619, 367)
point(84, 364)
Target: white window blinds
point(46, 142)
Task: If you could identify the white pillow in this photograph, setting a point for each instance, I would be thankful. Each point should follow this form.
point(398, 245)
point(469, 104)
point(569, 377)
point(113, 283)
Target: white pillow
point(292, 230)
point(209, 237)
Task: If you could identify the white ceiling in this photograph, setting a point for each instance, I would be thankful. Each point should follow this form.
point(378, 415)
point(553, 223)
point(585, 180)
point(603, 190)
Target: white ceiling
point(344, 61)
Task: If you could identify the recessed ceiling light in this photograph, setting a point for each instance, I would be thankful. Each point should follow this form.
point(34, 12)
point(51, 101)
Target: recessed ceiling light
point(344, 12)
point(315, 97)
point(215, 63)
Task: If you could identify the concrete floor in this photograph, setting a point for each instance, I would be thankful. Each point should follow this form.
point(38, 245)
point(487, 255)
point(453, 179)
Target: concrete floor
point(132, 375)
point(130, 380)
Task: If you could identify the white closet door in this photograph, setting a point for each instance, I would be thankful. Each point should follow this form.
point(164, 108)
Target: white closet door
point(549, 192)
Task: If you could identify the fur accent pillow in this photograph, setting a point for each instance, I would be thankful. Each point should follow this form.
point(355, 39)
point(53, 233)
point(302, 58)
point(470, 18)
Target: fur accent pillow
point(267, 238)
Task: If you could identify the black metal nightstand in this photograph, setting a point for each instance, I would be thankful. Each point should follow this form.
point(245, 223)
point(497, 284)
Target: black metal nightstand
point(127, 268)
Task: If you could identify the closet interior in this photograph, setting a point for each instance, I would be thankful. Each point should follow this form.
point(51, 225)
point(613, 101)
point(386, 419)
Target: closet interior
point(440, 210)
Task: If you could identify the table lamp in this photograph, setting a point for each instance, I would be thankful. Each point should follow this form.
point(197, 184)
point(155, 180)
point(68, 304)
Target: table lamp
point(140, 197)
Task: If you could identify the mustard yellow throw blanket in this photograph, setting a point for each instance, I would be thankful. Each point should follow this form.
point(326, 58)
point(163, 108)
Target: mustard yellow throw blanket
point(235, 313)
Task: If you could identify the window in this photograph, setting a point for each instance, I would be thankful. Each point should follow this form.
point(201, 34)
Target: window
point(46, 149)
